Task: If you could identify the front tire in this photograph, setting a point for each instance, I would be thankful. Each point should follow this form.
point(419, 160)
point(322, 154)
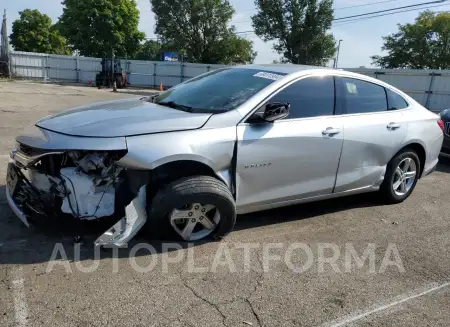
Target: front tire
point(401, 177)
point(192, 209)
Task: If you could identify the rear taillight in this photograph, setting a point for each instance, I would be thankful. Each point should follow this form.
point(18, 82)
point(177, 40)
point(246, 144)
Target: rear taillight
point(441, 124)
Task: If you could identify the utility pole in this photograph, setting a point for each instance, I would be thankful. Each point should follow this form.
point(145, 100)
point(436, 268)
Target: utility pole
point(112, 48)
point(337, 55)
point(113, 72)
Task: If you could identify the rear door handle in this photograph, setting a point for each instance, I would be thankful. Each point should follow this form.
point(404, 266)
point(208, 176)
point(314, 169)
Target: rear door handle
point(393, 126)
point(330, 131)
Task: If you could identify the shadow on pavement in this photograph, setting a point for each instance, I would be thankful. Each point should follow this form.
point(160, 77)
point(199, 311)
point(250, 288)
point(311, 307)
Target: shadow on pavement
point(20, 245)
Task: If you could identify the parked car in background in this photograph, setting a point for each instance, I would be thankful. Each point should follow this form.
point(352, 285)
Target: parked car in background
point(445, 117)
point(235, 140)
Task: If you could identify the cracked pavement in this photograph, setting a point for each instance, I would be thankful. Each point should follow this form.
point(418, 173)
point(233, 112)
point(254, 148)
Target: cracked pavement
point(172, 294)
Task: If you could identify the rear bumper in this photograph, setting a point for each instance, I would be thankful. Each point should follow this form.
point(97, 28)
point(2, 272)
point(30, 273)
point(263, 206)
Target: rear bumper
point(429, 171)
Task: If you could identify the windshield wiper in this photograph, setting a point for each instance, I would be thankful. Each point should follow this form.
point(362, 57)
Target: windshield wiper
point(173, 105)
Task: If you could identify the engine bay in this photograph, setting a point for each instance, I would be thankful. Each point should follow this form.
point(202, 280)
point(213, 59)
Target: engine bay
point(79, 183)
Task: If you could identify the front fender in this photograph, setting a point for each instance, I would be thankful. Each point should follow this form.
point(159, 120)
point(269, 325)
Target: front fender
point(212, 147)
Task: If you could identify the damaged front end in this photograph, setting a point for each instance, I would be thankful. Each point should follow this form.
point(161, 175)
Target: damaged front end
point(88, 185)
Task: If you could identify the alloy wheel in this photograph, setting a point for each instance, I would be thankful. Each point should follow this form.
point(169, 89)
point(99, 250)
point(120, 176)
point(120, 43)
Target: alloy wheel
point(404, 176)
point(194, 221)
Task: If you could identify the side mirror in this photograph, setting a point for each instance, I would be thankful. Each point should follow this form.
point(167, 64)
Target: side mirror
point(275, 111)
point(270, 113)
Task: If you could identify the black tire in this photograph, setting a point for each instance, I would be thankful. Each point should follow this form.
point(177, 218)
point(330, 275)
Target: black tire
point(184, 191)
point(386, 189)
point(119, 82)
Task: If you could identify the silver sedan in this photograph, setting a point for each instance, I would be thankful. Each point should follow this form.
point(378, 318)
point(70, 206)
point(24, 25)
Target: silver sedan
point(186, 161)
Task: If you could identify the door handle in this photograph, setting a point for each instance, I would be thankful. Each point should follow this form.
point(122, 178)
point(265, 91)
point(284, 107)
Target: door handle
point(393, 126)
point(330, 131)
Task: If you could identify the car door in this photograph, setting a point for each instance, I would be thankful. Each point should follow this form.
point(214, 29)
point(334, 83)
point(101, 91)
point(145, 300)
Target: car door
point(293, 158)
point(373, 133)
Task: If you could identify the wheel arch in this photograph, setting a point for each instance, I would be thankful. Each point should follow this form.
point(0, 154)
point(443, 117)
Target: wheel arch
point(170, 171)
point(418, 148)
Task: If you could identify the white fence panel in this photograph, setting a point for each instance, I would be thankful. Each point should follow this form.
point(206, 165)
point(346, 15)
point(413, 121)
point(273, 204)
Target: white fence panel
point(141, 73)
point(62, 68)
point(88, 68)
point(29, 65)
point(430, 88)
point(191, 70)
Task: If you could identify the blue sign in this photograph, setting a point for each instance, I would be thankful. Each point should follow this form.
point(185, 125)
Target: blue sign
point(170, 56)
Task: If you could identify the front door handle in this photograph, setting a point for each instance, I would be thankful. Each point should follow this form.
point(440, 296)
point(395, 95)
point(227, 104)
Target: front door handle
point(393, 126)
point(330, 131)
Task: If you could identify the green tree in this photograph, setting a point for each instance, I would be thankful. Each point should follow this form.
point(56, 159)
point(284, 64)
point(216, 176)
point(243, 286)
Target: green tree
point(152, 50)
point(422, 45)
point(149, 50)
point(34, 32)
point(96, 27)
point(300, 28)
point(200, 29)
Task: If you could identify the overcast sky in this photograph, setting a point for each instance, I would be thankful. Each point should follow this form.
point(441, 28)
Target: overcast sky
point(361, 39)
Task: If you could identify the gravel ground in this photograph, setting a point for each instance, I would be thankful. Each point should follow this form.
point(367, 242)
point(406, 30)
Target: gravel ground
point(406, 284)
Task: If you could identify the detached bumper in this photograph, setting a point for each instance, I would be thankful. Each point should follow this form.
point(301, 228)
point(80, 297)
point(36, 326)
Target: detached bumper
point(16, 209)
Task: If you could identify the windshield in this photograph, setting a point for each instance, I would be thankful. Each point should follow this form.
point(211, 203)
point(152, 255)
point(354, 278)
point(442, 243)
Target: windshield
point(219, 91)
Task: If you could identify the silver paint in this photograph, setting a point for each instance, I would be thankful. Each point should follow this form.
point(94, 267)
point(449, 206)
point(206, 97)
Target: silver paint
point(311, 159)
point(122, 118)
point(43, 139)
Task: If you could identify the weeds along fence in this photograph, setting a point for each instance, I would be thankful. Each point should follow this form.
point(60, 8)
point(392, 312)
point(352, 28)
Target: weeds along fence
point(431, 88)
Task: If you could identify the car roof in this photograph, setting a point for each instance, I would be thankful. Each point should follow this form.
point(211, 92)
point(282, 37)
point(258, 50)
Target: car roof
point(283, 68)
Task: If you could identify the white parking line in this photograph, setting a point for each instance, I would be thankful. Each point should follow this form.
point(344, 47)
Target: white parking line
point(400, 299)
point(20, 305)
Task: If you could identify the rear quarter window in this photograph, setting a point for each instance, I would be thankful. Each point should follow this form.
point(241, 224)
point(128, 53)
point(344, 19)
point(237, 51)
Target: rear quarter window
point(395, 100)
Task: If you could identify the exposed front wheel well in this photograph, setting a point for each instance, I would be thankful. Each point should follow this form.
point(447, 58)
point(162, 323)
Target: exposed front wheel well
point(419, 149)
point(172, 171)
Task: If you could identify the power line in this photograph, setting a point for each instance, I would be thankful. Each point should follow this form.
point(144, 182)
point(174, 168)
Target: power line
point(340, 8)
point(387, 10)
point(387, 14)
point(365, 5)
point(440, 3)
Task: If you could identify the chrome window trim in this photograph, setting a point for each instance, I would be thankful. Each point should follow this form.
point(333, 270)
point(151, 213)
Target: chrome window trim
point(325, 73)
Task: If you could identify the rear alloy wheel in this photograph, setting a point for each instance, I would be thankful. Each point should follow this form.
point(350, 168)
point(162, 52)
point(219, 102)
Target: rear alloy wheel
point(404, 176)
point(401, 177)
point(191, 209)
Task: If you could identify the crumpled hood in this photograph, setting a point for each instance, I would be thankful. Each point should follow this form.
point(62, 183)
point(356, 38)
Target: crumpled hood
point(122, 118)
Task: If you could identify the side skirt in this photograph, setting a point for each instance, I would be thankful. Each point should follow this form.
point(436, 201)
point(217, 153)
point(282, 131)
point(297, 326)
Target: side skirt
point(267, 206)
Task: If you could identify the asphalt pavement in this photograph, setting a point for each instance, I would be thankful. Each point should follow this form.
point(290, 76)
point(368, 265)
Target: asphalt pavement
point(295, 266)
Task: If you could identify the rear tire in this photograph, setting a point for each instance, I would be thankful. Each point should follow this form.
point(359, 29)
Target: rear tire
point(399, 181)
point(183, 193)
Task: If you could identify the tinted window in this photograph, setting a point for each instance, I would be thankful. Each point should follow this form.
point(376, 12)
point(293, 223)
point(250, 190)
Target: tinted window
point(362, 97)
point(309, 97)
point(220, 90)
point(395, 100)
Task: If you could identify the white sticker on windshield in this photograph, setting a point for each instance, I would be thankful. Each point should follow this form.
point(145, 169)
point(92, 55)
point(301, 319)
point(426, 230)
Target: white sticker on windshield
point(271, 76)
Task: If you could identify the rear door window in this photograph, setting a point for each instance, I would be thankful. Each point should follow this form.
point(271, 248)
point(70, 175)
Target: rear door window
point(363, 97)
